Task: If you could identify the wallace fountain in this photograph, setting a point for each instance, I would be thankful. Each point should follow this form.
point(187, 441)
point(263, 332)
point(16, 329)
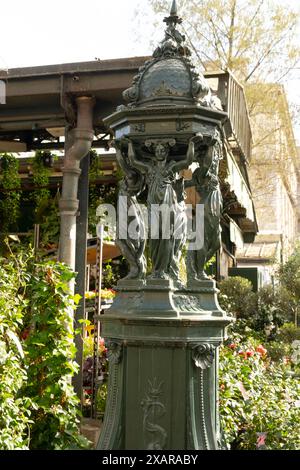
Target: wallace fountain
point(163, 335)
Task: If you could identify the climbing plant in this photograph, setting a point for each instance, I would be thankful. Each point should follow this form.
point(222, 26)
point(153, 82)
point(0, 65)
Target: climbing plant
point(46, 206)
point(10, 192)
point(99, 193)
point(40, 177)
point(50, 354)
point(14, 409)
point(38, 406)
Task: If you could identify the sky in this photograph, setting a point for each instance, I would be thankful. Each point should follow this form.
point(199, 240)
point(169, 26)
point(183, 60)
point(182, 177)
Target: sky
point(42, 32)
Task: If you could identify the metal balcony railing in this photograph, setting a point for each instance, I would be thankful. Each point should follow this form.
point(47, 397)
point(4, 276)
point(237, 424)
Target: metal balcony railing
point(233, 100)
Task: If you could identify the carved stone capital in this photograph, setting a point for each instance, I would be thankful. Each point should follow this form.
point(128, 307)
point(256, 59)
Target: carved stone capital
point(203, 355)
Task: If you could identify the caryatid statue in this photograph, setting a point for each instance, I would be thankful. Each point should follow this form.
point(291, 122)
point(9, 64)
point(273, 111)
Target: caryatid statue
point(206, 182)
point(131, 236)
point(164, 208)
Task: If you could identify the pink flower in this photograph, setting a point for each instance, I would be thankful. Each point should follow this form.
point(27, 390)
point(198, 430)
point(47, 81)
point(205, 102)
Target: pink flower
point(243, 354)
point(249, 353)
point(261, 440)
point(261, 350)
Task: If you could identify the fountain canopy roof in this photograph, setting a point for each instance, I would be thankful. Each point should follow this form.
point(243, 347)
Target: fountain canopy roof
point(169, 77)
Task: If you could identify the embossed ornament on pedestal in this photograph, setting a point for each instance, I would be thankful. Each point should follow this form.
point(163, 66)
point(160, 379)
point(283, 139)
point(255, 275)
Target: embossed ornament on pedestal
point(155, 435)
point(203, 355)
point(114, 351)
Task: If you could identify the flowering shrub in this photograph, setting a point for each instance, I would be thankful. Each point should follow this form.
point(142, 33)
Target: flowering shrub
point(259, 400)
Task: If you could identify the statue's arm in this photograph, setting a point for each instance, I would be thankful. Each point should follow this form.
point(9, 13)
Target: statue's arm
point(208, 159)
point(121, 161)
point(134, 161)
point(188, 160)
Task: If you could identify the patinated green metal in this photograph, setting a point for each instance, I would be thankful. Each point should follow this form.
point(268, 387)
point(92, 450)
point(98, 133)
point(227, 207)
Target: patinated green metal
point(163, 337)
point(131, 186)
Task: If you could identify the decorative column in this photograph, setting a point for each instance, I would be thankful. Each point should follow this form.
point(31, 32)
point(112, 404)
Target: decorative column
point(163, 336)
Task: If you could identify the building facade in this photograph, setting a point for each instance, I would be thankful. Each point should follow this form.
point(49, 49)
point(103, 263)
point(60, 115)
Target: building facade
point(275, 178)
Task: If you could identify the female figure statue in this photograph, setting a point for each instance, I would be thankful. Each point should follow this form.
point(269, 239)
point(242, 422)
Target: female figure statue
point(161, 176)
point(180, 230)
point(131, 228)
point(206, 182)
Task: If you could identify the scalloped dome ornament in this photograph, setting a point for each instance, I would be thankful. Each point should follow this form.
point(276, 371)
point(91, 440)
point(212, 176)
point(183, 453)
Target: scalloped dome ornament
point(169, 78)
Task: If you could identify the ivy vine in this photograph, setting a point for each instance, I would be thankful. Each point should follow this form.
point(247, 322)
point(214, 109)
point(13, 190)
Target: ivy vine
point(38, 406)
point(41, 174)
point(99, 193)
point(46, 206)
point(10, 192)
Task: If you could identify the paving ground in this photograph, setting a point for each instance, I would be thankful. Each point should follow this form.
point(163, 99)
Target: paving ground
point(90, 428)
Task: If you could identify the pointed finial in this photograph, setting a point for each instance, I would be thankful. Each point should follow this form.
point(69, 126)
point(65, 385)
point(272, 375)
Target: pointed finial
point(173, 11)
point(173, 18)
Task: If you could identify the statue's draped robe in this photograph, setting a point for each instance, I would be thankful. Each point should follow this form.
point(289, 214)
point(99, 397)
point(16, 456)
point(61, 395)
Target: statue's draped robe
point(162, 196)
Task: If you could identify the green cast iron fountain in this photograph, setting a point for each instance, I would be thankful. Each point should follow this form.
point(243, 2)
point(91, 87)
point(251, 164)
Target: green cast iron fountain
point(163, 336)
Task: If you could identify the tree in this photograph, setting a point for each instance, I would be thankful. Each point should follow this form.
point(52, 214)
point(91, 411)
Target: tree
point(237, 296)
point(257, 41)
point(253, 38)
point(289, 276)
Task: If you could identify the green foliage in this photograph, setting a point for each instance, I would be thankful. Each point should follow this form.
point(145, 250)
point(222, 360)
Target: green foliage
point(101, 193)
point(268, 308)
point(50, 353)
point(48, 214)
point(289, 333)
point(41, 175)
point(237, 296)
point(111, 275)
point(289, 274)
point(10, 201)
point(36, 390)
point(255, 39)
point(259, 400)
point(95, 167)
point(282, 349)
point(14, 409)
point(101, 398)
point(46, 206)
point(259, 396)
